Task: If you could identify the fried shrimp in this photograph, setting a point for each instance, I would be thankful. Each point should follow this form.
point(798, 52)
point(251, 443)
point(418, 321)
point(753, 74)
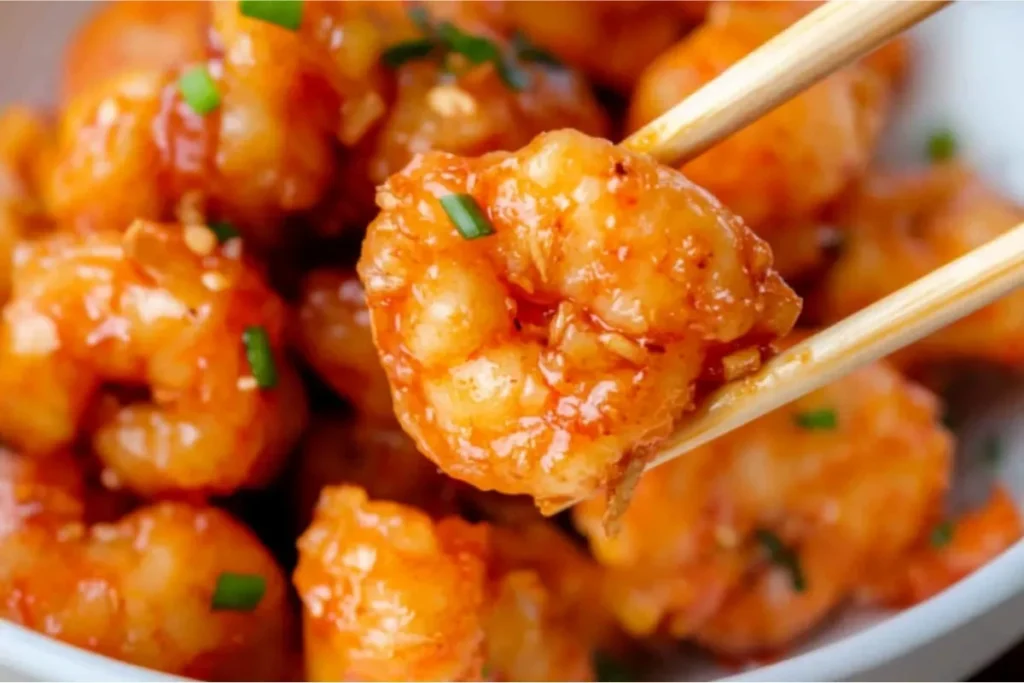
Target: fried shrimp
point(780, 170)
point(774, 524)
point(896, 228)
point(91, 313)
point(543, 359)
point(363, 568)
point(141, 589)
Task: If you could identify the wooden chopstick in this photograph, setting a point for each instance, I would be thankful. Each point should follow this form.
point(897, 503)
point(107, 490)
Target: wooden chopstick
point(828, 38)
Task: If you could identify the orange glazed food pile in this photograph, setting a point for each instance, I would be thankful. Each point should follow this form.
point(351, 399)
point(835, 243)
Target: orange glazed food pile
point(313, 311)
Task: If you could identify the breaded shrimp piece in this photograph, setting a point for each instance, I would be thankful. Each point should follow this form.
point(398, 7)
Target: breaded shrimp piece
point(145, 309)
point(141, 589)
point(898, 227)
point(389, 594)
point(935, 564)
point(843, 479)
point(378, 457)
point(779, 171)
point(547, 357)
point(333, 335)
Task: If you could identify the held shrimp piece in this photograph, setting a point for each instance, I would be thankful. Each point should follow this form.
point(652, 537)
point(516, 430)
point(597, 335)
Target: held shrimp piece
point(897, 227)
point(199, 330)
point(546, 357)
point(751, 540)
point(158, 588)
point(390, 595)
point(778, 171)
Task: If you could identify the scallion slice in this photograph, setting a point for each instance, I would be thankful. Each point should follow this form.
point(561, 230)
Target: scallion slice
point(783, 556)
point(609, 668)
point(466, 215)
point(528, 52)
point(223, 230)
point(284, 13)
point(261, 358)
point(942, 145)
point(238, 592)
point(817, 419)
point(199, 90)
point(941, 535)
point(407, 50)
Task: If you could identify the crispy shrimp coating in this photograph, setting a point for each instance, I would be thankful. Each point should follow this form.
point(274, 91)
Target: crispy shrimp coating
point(935, 564)
point(780, 170)
point(846, 478)
point(897, 227)
point(140, 589)
point(545, 358)
point(334, 337)
point(90, 313)
point(388, 594)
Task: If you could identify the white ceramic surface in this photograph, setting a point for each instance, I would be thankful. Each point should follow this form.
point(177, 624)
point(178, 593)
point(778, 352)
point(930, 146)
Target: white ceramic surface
point(967, 77)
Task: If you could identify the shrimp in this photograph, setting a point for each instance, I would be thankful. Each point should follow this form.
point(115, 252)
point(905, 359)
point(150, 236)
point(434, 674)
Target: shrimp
point(545, 358)
point(778, 172)
point(92, 312)
point(334, 337)
point(140, 589)
point(376, 456)
point(389, 594)
point(933, 565)
point(896, 228)
point(838, 482)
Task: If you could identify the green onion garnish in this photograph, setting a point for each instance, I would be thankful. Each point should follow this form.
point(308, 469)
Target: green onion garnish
point(223, 230)
point(942, 145)
point(993, 450)
point(407, 50)
point(817, 419)
point(285, 13)
point(527, 51)
point(419, 15)
point(261, 358)
point(941, 535)
point(239, 592)
point(199, 90)
point(466, 215)
point(780, 554)
point(512, 75)
point(608, 668)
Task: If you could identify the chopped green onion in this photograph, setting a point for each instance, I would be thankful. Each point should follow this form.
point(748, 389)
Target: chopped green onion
point(239, 592)
point(512, 75)
point(284, 13)
point(608, 668)
point(817, 419)
point(475, 48)
point(941, 535)
point(783, 556)
point(485, 671)
point(419, 15)
point(942, 145)
point(527, 51)
point(223, 230)
point(261, 358)
point(199, 90)
point(407, 50)
point(993, 450)
point(466, 215)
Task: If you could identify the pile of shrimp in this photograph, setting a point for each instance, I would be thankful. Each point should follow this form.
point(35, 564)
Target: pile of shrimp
point(356, 293)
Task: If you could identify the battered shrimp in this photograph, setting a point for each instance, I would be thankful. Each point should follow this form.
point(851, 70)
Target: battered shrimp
point(546, 358)
point(898, 227)
point(141, 589)
point(779, 171)
point(89, 313)
point(388, 594)
point(376, 456)
point(843, 480)
point(333, 334)
point(937, 562)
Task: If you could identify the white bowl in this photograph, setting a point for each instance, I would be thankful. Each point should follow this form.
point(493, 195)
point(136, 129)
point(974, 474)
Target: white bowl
point(966, 77)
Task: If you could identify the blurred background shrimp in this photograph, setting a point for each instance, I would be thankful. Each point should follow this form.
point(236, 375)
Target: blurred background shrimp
point(896, 227)
point(165, 310)
point(545, 357)
point(772, 526)
point(162, 587)
point(779, 171)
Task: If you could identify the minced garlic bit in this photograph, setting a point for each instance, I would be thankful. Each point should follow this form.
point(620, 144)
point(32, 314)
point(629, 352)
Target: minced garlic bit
point(200, 239)
point(214, 281)
point(451, 100)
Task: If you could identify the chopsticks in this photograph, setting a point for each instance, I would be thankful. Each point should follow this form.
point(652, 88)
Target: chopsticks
point(831, 36)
